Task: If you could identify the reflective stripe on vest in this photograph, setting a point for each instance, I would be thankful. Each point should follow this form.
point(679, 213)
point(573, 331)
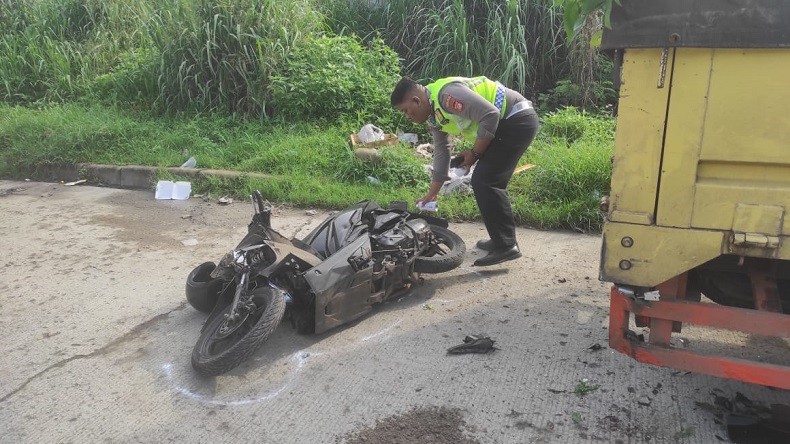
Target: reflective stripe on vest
point(450, 123)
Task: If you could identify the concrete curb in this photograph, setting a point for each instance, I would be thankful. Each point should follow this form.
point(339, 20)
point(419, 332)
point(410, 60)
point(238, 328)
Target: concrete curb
point(129, 176)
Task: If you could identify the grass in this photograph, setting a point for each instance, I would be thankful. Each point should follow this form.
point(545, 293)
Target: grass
point(583, 388)
point(311, 165)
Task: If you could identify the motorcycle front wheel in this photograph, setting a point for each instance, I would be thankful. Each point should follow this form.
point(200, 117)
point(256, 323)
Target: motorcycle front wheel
point(445, 254)
point(224, 344)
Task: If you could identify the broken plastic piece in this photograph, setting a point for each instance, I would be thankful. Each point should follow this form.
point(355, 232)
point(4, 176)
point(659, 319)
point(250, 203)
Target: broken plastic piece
point(473, 344)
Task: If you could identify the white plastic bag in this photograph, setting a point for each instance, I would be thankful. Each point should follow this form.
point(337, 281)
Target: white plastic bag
point(370, 133)
point(460, 181)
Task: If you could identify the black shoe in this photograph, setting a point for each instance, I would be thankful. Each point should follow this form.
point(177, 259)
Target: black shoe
point(498, 256)
point(486, 245)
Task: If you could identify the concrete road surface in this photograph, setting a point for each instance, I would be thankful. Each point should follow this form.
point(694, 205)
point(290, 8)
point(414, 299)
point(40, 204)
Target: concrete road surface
point(97, 336)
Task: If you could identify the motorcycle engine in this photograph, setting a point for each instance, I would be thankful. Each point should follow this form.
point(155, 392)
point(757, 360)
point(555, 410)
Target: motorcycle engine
point(402, 236)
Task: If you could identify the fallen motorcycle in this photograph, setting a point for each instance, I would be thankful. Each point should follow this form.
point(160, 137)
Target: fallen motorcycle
point(353, 260)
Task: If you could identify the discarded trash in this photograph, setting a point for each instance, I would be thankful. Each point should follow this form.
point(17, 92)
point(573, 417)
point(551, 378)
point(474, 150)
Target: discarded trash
point(311, 212)
point(643, 401)
point(523, 168)
point(189, 242)
point(408, 138)
point(427, 307)
point(186, 216)
point(373, 181)
point(190, 163)
point(424, 150)
point(370, 133)
point(76, 182)
point(460, 181)
point(8, 191)
point(225, 200)
point(595, 347)
point(428, 206)
point(748, 421)
point(166, 189)
point(473, 344)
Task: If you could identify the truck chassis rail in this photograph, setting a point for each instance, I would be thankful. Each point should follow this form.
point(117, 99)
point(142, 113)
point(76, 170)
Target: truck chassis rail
point(671, 310)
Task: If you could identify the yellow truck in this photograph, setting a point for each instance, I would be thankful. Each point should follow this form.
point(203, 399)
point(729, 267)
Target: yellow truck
point(700, 190)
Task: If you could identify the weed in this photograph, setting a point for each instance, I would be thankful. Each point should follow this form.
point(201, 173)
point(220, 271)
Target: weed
point(583, 388)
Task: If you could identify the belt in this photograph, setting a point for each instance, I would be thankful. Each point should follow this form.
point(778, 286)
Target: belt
point(520, 106)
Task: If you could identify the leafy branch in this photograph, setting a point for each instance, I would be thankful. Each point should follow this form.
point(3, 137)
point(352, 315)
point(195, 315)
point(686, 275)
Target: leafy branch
point(575, 12)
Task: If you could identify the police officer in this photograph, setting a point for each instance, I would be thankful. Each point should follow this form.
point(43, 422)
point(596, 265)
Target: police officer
point(502, 124)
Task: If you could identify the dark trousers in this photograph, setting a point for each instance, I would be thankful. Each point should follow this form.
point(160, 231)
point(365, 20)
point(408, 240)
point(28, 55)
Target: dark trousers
point(493, 172)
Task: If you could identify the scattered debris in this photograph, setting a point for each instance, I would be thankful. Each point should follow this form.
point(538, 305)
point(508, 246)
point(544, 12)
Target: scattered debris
point(562, 280)
point(685, 433)
point(556, 390)
point(524, 167)
point(186, 216)
point(9, 191)
point(76, 182)
point(644, 401)
point(473, 344)
point(190, 163)
point(427, 307)
point(437, 425)
point(582, 388)
point(595, 347)
point(166, 190)
point(311, 212)
point(225, 200)
point(749, 422)
point(425, 150)
point(189, 242)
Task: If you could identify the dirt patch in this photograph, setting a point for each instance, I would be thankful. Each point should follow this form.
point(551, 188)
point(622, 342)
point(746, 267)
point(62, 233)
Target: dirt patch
point(437, 425)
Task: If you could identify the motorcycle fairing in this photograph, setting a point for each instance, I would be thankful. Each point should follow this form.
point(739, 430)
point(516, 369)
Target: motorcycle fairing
point(343, 291)
point(341, 229)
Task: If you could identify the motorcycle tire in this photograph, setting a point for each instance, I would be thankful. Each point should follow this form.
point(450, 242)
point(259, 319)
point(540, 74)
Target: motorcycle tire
point(203, 291)
point(214, 354)
point(439, 260)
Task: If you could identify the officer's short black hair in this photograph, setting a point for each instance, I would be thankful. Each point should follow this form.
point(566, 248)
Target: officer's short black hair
point(401, 89)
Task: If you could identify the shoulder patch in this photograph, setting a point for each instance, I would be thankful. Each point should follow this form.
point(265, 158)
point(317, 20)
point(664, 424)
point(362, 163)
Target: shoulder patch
point(453, 104)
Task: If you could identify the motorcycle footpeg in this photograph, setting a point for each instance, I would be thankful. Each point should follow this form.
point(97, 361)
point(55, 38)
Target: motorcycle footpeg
point(473, 344)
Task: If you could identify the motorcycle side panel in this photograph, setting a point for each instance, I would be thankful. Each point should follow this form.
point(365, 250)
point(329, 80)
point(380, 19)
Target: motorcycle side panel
point(342, 293)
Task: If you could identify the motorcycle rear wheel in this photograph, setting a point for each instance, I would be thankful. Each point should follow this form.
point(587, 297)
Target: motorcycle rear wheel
point(446, 255)
point(223, 345)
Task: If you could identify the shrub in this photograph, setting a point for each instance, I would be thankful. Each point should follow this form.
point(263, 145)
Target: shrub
point(330, 77)
point(572, 124)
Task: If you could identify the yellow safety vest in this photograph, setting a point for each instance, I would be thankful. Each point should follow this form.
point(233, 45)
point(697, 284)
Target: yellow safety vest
point(454, 124)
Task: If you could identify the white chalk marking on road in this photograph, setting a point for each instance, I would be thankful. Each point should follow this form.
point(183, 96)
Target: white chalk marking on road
point(299, 357)
point(381, 332)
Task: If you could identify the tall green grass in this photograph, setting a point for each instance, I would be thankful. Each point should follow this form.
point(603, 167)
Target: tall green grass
point(310, 164)
point(520, 42)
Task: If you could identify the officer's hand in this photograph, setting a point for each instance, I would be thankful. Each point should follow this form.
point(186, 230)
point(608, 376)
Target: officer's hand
point(469, 159)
